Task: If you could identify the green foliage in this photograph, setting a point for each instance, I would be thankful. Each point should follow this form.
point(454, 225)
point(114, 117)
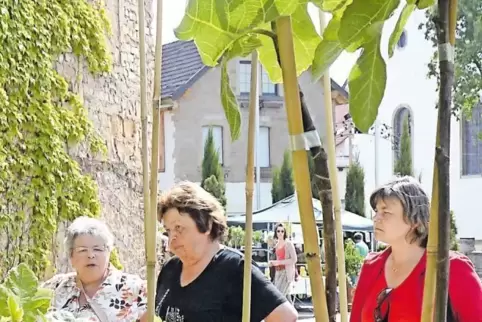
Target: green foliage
point(454, 245)
point(216, 188)
point(468, 53)
point(212, 172)
point(40, 184)
point(21, 299)
point(381, 247)
point(235, 28)
point(235, 237)
point(403, 164)
point(355, 189)
point(353, 259)
point(283, 180)
point(114, 259)
point(258, 236)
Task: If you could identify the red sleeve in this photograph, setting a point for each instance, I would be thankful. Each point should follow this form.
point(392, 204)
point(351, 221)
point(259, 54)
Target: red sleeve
point(359, 296)
point(465, 289)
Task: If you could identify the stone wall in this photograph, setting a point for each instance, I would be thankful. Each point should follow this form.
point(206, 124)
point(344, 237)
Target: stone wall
point(113, 102)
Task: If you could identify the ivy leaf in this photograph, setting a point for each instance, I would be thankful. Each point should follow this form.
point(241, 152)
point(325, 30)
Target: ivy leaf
point(214, 27)
point(328, 50)
point(397, 32)
point(243, 47)
point(367, 82)
point(360, 17)
point(305, 39)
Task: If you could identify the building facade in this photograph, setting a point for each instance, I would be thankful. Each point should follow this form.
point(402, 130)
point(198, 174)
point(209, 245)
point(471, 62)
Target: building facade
point(191, 98)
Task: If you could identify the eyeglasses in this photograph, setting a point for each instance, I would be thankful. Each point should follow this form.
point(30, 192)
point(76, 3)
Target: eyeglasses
point(280, 231)
point(381, 299)
point(84, 251)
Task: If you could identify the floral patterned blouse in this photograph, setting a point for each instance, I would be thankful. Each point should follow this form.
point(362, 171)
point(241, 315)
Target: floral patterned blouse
point(122, 297)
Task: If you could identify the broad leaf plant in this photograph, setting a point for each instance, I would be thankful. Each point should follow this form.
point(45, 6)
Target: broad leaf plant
point(225, 29)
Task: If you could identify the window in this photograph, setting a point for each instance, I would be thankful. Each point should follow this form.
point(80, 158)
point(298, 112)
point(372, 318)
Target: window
point(267, 87)
point(218, 139)
point(472, 143)
point(402, 115)
point(264, 147)
point(244, 77)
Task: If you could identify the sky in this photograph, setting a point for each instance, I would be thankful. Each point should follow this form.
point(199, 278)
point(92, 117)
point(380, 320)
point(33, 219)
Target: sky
point(173, 12)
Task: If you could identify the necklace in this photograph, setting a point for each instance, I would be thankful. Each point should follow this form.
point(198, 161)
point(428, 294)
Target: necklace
point(393, 268)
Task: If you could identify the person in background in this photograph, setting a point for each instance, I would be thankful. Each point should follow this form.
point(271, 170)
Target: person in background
point(360, 245)
point(96, 291)
point(285, 263)
point(204, 280)
point(391, 282)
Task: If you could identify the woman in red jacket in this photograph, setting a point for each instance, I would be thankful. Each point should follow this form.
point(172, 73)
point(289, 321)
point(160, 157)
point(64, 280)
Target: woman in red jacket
point(391, 282)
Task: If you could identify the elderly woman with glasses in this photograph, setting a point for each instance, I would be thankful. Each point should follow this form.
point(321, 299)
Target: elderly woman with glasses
point(204, 280)
point(391, 282)
point(96, 291)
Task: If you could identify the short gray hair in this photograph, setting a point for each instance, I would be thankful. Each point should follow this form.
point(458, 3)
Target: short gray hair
point(415, 202)
point(88, 226)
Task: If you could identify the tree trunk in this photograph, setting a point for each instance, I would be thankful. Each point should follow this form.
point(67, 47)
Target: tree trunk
point(446, 39)
point(300, 165)
point(321, 180)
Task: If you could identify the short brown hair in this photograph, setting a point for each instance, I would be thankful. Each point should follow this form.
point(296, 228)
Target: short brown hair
point(206, 211)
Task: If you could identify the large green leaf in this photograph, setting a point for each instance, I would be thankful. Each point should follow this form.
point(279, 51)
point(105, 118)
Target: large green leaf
point(242, 47)
point(360, 17)
point(367, 81)
point(305, 39)
point(333, 5)
point(397, 32)
point(4, 295)
point(328, 50)
point(22, 282)
point(230, 103)
point(16, 312)
point(39, 303)
point(215, 25)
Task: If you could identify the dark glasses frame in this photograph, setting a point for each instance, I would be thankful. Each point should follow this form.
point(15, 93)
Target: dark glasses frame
point(382, 297)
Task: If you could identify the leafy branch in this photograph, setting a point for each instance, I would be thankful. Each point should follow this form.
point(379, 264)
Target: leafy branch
point(236, 28)
point(468, 55)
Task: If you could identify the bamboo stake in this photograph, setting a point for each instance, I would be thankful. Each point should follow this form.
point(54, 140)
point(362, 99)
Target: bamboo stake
point(248, 237)
point(143, 94)
point(151, 219)
point(321, 179)
point(432, 289)
point(430, 280)
point(300, 165)
point(330, 139)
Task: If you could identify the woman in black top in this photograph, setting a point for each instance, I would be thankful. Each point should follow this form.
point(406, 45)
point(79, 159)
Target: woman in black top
point(204, 281)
